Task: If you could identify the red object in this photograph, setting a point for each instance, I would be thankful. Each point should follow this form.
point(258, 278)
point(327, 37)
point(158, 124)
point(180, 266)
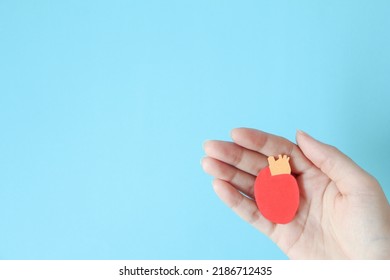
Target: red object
point(277, 197)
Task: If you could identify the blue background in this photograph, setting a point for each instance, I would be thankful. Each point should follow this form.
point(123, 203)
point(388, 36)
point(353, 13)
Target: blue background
point(104, 106)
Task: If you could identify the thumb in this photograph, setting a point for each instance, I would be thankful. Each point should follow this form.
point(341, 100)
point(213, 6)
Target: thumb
point(347, 175)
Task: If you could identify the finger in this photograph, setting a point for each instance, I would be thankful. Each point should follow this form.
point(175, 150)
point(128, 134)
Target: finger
point(347, 175)
point(269, 145)
point(233, 154)
point(241, 180)
point(242, 206)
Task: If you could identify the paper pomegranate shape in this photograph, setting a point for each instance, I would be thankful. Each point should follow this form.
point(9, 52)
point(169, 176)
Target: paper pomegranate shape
point(276, 191)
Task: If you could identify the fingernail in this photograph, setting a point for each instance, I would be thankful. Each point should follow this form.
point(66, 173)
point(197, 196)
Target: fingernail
point(204, 143)
point(302, 132)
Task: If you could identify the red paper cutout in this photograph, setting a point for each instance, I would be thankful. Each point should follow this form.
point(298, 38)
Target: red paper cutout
point(276, 191)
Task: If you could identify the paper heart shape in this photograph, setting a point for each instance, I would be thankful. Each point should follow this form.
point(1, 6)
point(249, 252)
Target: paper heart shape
point(276, 191)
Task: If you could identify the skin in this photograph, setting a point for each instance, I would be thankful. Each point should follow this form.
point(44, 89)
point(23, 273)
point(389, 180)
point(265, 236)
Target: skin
point(343, 212)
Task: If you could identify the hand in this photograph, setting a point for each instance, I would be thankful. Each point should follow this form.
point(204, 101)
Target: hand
point(343, 212)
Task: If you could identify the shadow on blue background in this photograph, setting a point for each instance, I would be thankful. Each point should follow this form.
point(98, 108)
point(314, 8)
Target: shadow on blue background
point(104, 106)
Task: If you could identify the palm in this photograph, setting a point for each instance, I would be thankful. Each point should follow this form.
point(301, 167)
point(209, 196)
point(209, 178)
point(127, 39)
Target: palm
point(297, 237)
point(328, 219)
